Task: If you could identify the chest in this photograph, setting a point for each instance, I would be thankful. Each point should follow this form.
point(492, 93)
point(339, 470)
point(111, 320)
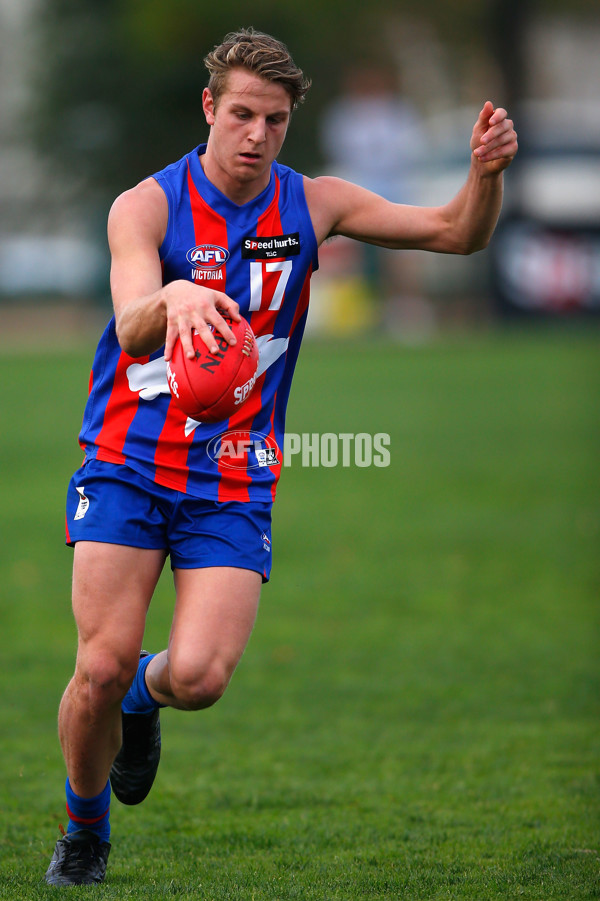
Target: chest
point(262, 263)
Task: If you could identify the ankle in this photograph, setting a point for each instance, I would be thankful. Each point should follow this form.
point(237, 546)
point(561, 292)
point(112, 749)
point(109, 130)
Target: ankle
point(89, 813)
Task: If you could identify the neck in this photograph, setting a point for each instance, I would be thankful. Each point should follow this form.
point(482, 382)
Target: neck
point(238, 190)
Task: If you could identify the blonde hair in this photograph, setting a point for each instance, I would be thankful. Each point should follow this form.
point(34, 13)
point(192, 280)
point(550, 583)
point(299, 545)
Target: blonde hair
point(259, 53)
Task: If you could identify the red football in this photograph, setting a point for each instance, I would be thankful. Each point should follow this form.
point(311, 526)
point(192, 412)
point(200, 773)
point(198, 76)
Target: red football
point(211, 387)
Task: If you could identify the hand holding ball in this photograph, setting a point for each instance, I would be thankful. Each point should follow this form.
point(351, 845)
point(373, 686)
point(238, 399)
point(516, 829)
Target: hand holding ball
point(211, 387)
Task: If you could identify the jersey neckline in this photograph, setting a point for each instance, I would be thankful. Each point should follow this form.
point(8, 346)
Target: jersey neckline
point(215, 198)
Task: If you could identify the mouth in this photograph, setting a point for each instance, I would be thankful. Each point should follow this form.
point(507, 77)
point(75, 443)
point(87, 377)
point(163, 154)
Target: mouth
point(250, 157)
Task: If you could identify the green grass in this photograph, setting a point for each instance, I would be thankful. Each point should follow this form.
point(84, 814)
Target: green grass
point(417, 714)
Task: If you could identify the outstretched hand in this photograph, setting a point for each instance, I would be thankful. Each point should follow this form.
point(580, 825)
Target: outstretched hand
point(494, 139)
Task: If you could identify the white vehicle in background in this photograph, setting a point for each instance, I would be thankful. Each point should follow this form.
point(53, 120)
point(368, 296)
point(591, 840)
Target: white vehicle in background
point(54, 266)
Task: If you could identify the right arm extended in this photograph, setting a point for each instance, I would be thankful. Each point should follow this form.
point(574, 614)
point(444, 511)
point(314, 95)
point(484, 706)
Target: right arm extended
point(148, 314)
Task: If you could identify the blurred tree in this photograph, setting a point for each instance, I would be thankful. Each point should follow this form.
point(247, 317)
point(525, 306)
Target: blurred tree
point(120, 81)
point(507, 30)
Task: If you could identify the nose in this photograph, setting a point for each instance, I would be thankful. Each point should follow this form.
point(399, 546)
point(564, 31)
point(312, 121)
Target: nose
point(258, 130)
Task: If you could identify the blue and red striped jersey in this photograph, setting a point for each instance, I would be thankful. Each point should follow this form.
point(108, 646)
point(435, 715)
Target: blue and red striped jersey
point(261, 254)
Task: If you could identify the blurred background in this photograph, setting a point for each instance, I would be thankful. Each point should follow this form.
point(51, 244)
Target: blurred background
point(97, 94)
point(418, 712)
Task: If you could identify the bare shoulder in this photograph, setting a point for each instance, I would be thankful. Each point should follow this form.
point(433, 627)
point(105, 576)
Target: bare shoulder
point(142, 211)
point(322, 185)
point(322, 195)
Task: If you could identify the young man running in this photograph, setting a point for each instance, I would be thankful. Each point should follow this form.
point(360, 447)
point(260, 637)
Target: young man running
point(148, 489)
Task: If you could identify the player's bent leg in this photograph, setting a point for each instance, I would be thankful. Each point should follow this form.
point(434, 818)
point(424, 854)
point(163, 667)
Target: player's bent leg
point(112, 588)
point(214, 615)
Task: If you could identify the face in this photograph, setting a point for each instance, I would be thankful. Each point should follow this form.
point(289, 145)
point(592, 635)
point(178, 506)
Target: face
point(247, 129)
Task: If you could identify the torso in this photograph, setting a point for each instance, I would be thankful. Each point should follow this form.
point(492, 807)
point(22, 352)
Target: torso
point(208, 240)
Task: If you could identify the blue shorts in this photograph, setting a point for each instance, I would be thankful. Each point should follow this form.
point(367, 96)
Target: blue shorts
point(112, 503)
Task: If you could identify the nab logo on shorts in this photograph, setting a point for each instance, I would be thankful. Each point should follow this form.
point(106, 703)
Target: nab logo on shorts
point(207, 256)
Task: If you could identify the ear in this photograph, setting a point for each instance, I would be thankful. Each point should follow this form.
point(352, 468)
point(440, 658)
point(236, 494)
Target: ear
point(208, 105)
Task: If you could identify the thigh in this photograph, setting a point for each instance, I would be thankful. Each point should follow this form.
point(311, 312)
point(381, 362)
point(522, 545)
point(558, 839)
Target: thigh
point(205, 535)
point(215, 612)
point(112, 588)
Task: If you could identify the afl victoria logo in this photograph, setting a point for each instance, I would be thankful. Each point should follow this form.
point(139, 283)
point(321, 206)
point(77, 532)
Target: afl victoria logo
point(207, 256)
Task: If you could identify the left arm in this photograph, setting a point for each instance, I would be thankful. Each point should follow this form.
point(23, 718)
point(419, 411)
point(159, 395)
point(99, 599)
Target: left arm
point(463, 225)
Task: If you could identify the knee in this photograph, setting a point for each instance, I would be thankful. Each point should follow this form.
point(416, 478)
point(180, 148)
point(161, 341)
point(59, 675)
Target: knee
point(196, 688)
point(105, 676)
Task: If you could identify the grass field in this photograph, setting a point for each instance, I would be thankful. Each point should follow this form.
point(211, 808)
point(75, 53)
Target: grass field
point(417, 714)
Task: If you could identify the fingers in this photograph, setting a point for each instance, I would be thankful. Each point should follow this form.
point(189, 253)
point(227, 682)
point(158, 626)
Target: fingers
point(486, 112)
point(170, 339)
point(192, 307)
point(206, 323)
point(498, 115)
point(497, 142)
point(498, 139)
point(229, 306)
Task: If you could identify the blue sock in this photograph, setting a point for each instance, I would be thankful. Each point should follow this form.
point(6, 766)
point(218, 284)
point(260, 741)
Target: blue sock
point(138, 699)
point(89, 813)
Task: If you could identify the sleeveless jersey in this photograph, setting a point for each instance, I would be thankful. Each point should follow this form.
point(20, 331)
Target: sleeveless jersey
point(262, 255)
